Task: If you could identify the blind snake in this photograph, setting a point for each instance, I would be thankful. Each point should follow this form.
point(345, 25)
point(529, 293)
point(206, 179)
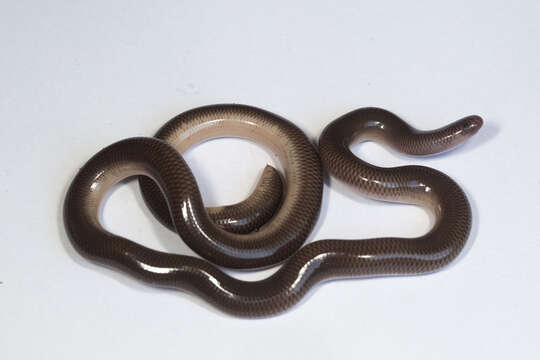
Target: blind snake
point(271, 225)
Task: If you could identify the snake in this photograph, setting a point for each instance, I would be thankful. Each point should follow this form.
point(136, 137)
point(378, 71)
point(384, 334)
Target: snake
point(171, 191)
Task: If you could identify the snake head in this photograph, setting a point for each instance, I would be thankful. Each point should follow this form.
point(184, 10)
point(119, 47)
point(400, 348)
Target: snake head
point(470, 125)
point(455, 134)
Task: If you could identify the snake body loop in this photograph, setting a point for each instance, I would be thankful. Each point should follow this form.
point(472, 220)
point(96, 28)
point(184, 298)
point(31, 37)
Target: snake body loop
point(312, 263)
point(241, 218)
point(161, 161)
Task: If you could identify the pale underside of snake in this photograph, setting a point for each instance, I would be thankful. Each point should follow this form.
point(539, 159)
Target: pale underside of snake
point(272, 224)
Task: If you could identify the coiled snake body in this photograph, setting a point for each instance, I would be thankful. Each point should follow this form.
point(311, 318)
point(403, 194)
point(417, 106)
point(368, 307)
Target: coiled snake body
point(225, 235)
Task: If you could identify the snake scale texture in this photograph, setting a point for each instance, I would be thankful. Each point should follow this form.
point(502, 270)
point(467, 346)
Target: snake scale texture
point(271, 225)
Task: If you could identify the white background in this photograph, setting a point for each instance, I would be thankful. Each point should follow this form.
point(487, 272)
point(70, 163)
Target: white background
point(76, 76)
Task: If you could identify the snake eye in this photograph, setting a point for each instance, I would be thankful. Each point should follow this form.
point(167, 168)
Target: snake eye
point(468, 125)
point(472, 124)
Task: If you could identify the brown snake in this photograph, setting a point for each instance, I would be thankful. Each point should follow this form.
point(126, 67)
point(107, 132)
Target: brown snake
point(225, 235)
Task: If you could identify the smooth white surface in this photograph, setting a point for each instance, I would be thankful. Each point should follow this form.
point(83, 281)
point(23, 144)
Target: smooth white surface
point(77, 76)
